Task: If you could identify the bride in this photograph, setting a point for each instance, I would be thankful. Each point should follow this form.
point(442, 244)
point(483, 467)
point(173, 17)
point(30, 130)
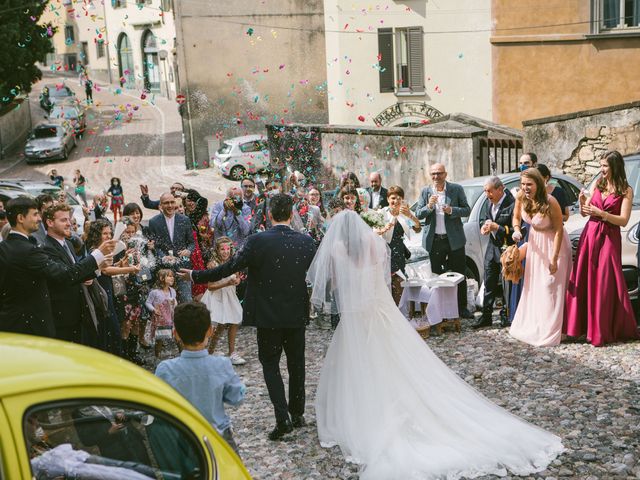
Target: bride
point(385, 398)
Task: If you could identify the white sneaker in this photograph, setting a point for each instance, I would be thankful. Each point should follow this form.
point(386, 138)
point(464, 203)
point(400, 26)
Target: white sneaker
point(236, 359)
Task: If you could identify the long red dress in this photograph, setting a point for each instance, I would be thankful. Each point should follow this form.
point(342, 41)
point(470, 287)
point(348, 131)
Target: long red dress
point(597, 300)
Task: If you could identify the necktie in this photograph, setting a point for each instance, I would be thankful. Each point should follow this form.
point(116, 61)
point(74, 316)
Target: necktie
point(68, 250)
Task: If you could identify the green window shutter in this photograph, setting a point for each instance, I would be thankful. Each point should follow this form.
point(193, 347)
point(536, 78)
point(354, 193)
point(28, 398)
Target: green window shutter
point(415, 39)
point(385, 51)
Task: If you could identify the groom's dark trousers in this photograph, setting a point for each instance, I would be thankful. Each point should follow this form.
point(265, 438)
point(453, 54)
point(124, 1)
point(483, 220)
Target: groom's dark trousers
point(277, 303)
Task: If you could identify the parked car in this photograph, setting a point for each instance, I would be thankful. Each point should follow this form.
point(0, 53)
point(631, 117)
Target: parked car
point(34, 188)
point(53, 94)
point(49, 141)
point(576, 224)
point(239, 156)
point(476, 243)
point(71, 115)
point(7, 193)
point(59, 403)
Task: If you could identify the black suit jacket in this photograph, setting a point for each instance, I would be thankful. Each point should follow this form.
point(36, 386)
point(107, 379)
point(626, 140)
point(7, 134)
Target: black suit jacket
point(68, 301)
point(278, 260)
point(383, 197)
point(25, 305)
point(182, 236)
point(150, 204)
point(503, 218)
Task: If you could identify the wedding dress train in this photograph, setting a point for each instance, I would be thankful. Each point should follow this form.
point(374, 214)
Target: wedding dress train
point(386, 399)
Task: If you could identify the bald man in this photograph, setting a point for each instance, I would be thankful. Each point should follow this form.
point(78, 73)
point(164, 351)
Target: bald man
point(377, 193)
point(442, 206)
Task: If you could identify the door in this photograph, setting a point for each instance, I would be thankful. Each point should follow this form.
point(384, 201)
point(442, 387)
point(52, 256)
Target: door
point(125, 62)
point(151, 64)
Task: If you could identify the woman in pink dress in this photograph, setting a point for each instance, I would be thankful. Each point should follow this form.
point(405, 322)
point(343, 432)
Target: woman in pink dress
point(538, 319)
point(598, 303)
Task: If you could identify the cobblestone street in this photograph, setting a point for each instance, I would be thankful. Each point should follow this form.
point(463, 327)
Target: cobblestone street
point(138, 140)
point(588, 396)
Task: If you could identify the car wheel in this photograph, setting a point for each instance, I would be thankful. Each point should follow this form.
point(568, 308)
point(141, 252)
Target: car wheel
point(469, 273)
point(237, 172)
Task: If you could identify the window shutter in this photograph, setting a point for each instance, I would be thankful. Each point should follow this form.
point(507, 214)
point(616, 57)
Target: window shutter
point(415, 40)
point(385, 50)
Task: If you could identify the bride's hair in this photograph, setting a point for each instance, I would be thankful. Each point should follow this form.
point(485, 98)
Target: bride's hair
point(511, 264)
point(539, 203)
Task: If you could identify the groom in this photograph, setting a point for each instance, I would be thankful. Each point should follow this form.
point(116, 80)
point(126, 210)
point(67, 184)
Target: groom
point(277, 303)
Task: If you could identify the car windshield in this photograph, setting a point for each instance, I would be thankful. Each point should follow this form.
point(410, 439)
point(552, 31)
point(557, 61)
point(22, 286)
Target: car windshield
point(473, 193)
point(225, 148)
point(632, 168)
point(62, 112)
point(59, 92)
point(45, 132)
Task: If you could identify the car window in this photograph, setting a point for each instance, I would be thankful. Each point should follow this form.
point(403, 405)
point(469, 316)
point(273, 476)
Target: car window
point(45, 132)
point(93, 439)
point(225, 149)
point(62, 112)
point(472, 193)
point(60, 92)
point(572, 191)
point(263, 146)
point(251, 147)
point(632, 169)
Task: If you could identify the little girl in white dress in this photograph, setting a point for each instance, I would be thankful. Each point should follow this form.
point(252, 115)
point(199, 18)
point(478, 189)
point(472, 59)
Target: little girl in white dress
point(222, 301)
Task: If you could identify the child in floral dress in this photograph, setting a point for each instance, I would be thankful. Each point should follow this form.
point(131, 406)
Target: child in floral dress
point(161, 302)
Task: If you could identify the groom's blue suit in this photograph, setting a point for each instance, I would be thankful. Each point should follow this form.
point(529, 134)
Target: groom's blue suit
point(277, 302)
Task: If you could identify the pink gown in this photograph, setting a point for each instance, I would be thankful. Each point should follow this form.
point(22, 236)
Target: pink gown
point(538, 318)
point(597, 302)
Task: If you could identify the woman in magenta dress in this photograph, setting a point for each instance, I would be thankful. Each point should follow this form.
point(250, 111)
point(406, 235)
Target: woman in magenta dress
point(598, 303)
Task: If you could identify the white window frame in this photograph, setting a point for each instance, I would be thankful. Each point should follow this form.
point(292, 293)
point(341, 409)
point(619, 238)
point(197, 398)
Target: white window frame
point(597, 19)
point(403, 59)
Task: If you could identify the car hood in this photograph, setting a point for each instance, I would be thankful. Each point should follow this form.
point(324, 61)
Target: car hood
point(44, 143)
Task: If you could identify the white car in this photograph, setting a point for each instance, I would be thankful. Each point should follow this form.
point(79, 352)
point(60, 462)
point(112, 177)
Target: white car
point(576, 223)
point(240, 156)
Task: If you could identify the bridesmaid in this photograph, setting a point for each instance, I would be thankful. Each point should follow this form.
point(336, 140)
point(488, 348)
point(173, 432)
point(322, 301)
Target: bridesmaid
point(538, 319)
point(598, 303)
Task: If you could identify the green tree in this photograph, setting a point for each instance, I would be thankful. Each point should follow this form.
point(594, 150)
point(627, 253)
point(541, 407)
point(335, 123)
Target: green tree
point(23, 42)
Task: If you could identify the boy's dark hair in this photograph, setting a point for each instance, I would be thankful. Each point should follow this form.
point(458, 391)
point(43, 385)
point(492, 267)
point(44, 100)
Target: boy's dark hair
point(3, 215)
point(336, 202)
point(42, 199)
point(19, 206)
point(191, 320)
point(281, 206)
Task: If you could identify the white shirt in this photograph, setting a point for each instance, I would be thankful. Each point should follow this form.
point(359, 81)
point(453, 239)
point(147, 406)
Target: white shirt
point(494, 211)
point(442, 199)
point(375, 199)
point(170, 224)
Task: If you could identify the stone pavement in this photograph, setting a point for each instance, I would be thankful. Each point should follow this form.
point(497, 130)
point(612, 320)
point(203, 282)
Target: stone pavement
point(588, 396)
point(136, 139)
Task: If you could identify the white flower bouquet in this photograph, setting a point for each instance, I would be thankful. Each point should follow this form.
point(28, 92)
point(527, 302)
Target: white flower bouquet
point(373, 218)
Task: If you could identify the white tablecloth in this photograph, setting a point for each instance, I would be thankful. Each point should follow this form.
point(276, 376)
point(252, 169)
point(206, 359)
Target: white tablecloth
point(442, 301)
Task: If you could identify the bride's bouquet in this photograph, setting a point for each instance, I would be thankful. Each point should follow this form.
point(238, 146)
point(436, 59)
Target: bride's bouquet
point(373, 218)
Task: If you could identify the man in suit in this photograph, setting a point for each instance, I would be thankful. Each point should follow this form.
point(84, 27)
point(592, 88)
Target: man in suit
point(495, 221)
point(43, 201)
point(155, 204)
point(228, 218)
point(70, 301)
point(277, 303)
point(377, 193)
point(174, 241)
point(442, 206)
point(25, 305)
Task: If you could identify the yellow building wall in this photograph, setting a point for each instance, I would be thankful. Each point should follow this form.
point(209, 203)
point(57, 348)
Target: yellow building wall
point(544, 64)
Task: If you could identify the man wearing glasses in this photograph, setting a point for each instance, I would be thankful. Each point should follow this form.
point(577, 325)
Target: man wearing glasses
point(442, 206)
point(248, 193)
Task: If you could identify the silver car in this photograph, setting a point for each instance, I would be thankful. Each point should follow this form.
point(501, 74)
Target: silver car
point(476, 243)
point(49, 141)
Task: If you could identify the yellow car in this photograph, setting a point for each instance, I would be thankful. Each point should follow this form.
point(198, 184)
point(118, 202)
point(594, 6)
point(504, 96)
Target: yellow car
point(68, 411)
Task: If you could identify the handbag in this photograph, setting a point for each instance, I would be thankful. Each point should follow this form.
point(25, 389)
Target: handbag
point(119, 285)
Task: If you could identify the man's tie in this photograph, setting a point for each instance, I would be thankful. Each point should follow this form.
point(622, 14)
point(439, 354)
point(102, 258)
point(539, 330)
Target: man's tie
point(68, 250)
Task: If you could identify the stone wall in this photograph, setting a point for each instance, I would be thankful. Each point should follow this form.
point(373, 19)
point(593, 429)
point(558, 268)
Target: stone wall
point(15, 126)
point(402, 156)
point(573, 143)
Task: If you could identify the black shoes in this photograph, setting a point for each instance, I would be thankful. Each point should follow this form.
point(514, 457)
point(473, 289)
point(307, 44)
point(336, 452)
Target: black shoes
point(280, 430)
point(465, 313)
point(482, 322)
point(298, 421)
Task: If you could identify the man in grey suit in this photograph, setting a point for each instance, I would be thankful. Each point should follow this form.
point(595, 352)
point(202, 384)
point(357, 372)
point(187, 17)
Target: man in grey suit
point(442, 206)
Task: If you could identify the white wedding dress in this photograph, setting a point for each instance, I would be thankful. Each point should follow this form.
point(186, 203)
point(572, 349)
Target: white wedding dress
point(386, 399)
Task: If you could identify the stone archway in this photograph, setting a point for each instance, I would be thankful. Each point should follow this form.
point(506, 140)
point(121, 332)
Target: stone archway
point(406, 114)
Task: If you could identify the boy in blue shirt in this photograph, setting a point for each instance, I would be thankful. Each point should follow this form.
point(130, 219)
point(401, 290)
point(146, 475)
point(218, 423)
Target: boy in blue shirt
point(205, 380)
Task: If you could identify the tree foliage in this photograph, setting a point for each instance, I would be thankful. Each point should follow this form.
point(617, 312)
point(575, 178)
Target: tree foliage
point(23, 42)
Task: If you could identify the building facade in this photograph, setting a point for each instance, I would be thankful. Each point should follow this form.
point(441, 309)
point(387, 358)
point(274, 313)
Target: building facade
point(551, 57)
point(243, 64)
point(142, 45)
point(405, 63)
